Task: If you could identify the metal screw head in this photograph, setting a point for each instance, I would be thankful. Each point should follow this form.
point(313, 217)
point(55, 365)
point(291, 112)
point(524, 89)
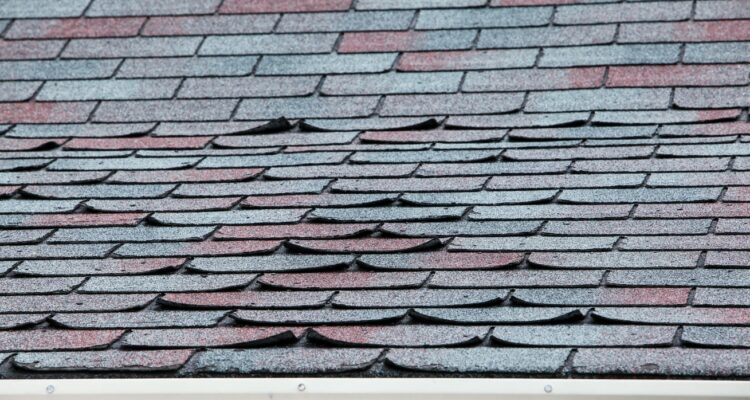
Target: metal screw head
point(50, 389)
point(301, 387)
point(548, 388)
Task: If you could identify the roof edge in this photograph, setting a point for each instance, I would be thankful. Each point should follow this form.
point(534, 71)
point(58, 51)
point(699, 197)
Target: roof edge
point(371, 389)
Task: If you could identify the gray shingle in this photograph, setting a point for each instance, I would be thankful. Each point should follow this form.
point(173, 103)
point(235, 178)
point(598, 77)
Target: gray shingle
point(399, 335)
point(641, 195)
point(602, 296)
point(164, 110)
point(131, 47)
point(341, 22)
point(480, 360)
point(341, 171)
point(146, 7)
point(75, 302)
point(726, 259)
point(307, 107)
point(55, 251)
point(587, 132)
point(134, 234)
point(664, 362)
point(273, 160)
point(371, 123)
point(387, 214)
point(579, 153)
point(320, 200)
point(318, 317)
point(274, 263)
point(267, 86)
point(286, 139)
point(550, 211)
point(484, 18)
point(396, 4)
point(79, 130)
point(19, 91)
point(717, 336)
point(325, 64)
point(248, 299)
point(498, 315)
point(532, 243)
point(22, 236)
point(425, 82)
point(439, 261)
point(722, 97)
point(391, 157)
point(103, 361)
point(42, 8)
point(408, 184)
point(475, 198)
point(706, 150)
point(98, 267)
point(442, 104)
point(565, 181)
point(233, 217)
point(38, 285)
point(418, 298)
point(181, 66)
point(205, 248)
point(15, 321)
point(672, 315)
point(708, 53)
point(722, 297)
point(585, 335)
point(45, 177)
point(517, 120)
point(268, 44)
point(109, 89)
point(514, 278)
point(709, 242)
point(546, 36)
point(598, 99)
point(733, 226)
point(312, 186)
point(464, 228)
point(170, 283)
point(728, 178)
point(98, 191)
point(610, 55)
point(652, 165)
point(665, 278)
point(147, 319)
point(57, 69)
point(17, 206)
point(283, 361)
point(625, 12)
point(659, 117)
point(494, 168)
point(628, 227)
point(129, 163)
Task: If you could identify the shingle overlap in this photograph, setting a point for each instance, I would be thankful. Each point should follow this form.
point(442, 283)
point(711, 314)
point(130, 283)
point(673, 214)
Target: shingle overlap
point(322, 187)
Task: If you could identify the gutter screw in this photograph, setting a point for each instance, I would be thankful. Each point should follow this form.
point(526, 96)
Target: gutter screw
point(50, 389)
point(301, 387)
point(548, 388)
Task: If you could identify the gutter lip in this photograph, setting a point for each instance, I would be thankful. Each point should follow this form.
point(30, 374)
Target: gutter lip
point(371, 388)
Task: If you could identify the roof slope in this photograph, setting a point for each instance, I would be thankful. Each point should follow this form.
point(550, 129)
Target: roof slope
point(472, 188)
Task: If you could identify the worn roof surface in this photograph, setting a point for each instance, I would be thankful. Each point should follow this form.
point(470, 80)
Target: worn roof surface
point(374, 188)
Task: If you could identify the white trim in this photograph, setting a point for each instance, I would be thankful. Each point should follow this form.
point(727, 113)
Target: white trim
point(370, 389)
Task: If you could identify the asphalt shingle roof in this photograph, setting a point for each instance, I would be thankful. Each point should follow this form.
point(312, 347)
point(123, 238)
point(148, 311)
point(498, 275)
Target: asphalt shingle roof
point(374, 188)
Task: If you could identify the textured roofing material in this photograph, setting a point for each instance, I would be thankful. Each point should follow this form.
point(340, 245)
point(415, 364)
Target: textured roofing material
point(375, 188)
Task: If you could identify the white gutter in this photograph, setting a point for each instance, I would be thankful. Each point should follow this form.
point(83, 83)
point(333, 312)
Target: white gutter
point(369, 389)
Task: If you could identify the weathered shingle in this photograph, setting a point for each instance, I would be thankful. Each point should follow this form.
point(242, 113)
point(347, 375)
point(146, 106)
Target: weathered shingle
point(561, 188)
